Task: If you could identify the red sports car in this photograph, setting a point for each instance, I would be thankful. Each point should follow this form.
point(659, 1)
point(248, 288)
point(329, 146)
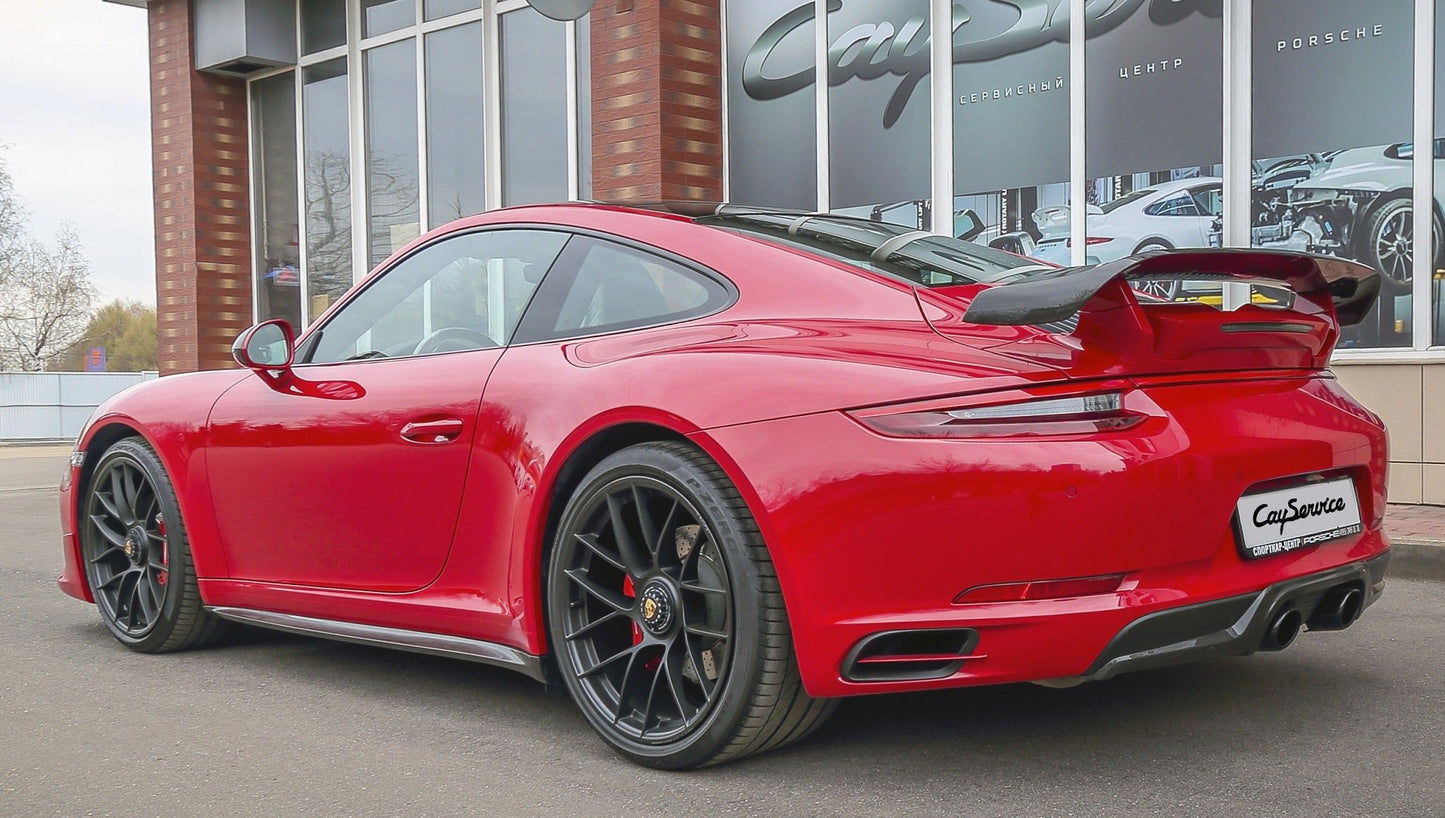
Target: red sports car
point(712, 468)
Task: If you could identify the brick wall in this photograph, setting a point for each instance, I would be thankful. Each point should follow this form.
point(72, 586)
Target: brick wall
point(200, 168)
point(657, 100)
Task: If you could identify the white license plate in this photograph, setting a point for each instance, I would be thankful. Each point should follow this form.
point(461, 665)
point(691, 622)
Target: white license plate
point(1275, 522)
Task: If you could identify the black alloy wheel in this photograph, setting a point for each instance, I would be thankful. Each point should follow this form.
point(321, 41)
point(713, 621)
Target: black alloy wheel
point(665, 615)
point(137, 557)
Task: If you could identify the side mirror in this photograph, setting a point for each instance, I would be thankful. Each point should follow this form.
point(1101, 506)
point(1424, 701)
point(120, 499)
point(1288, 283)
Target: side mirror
point(1094, 210)
point(267, 347)
point(967, 225)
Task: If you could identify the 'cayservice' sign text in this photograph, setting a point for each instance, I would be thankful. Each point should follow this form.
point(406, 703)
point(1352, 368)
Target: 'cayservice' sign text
point(872, 50)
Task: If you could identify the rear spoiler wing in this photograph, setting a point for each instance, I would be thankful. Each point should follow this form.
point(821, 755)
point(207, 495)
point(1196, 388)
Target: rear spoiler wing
point(1351, 287)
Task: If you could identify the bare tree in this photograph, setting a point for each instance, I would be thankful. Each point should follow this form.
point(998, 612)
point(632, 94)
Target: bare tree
point(45, 300)
point(12, 223)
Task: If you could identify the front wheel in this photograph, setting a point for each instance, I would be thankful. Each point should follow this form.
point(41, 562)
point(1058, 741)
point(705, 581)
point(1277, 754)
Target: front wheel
point(137, 556)
point(666, 616)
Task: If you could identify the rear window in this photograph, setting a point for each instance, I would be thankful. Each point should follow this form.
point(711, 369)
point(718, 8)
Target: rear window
point(915, 256)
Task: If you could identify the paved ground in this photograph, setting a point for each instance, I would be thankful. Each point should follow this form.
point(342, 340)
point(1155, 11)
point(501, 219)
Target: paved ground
point(1339, 724)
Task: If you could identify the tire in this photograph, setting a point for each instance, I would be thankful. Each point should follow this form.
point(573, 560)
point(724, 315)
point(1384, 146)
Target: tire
point(137, 556)
point(671, 636)
point(1387, 244)
point(1163, 290)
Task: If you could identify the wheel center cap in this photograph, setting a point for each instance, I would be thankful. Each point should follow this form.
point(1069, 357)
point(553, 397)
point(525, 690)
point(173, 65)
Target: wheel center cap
point(656, 606)
point(132, 545)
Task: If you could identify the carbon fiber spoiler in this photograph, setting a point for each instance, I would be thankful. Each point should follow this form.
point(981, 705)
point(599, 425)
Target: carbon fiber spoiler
point(1056, 296)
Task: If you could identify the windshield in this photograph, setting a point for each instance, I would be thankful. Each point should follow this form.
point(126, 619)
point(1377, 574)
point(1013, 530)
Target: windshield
point(915, 256)
point(1123, 200)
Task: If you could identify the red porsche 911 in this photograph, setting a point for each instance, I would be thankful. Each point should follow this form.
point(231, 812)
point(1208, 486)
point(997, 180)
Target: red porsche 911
point(711, 468)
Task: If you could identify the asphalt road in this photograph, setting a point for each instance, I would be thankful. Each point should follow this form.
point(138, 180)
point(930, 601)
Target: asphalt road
point(1349, 723)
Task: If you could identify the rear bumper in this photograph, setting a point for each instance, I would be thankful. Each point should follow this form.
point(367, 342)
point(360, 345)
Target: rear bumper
point(873, 535)
point(1234, 626)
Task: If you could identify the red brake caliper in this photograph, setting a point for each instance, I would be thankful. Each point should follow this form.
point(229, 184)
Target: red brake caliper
point(165, 551)
point(631, 592)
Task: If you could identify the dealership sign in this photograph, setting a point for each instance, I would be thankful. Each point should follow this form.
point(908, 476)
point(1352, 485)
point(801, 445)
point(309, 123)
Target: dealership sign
point(1011, 106)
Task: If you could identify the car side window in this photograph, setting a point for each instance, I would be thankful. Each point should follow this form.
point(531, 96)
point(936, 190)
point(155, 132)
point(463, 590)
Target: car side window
point(601, 286)
point(1180, 205)
point(461, 293)
point(1209, 200)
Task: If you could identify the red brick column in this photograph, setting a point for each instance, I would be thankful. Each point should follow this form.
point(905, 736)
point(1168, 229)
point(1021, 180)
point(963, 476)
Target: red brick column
point(203, 225)
point(657, 100)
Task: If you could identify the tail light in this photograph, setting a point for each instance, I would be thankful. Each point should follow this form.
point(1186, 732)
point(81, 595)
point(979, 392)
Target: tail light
point(1071, 415)
point(1090, 241)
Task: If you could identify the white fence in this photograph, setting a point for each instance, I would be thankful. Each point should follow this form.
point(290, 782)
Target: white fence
point(54, 405)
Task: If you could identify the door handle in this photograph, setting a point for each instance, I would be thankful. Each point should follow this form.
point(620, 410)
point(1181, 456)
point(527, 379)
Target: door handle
point(433, 431)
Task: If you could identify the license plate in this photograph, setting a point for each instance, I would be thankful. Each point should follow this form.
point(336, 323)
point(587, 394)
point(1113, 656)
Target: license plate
point(1279, 521)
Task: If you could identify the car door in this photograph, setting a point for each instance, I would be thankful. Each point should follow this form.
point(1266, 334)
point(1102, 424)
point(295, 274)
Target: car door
point(350, 473)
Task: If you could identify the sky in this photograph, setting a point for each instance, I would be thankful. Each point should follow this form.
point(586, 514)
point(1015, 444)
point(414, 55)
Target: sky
point(75, 132)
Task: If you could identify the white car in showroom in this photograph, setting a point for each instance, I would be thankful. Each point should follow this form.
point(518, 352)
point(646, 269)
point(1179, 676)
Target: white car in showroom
point(1357, 205)
point(1159, 217)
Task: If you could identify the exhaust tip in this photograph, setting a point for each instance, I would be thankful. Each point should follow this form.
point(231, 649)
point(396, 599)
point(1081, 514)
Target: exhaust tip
point(1282, 629)
point(1339, 609)
point(1351, 606)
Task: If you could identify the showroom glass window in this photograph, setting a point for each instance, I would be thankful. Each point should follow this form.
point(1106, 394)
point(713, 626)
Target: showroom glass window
point(1333, 99)
point(771, 103)
point(1154, 80)
point(534, 108)
point(1437, 281)
point(278, 227)
point(327, 159)
point(382, 16)
point(437, 9)
point(1011, 127)
point(393, 171)
point(460, 293)
point(323, 25)
point(456, 132)
point(878, 111)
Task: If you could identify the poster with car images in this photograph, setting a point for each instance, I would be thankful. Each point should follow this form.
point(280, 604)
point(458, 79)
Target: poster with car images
point(879, 107)
point(1155, 86)
point(1011, 122)
point(1332, 172)
point(1011, 89)
point(771, 113)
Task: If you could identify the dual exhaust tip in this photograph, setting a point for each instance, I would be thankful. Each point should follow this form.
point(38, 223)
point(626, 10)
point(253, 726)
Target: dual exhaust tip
point(1338, 610)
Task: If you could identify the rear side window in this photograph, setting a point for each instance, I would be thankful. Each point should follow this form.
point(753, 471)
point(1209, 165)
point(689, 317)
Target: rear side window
point(1181, 205)
point(600, 286)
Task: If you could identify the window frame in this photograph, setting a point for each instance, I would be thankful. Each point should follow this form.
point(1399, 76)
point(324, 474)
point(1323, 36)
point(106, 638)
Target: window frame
point(306, 346)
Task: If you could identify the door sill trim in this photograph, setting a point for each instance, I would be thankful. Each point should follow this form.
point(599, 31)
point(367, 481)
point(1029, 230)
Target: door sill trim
point(434, 644)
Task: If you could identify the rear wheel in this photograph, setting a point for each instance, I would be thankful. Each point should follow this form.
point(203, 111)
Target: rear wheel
point(1387, 243)
point(137, 557)
point(1162, 290)
point(666, 616)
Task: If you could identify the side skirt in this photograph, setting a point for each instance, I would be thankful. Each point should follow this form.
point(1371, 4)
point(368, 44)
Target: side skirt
point(435, 644)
